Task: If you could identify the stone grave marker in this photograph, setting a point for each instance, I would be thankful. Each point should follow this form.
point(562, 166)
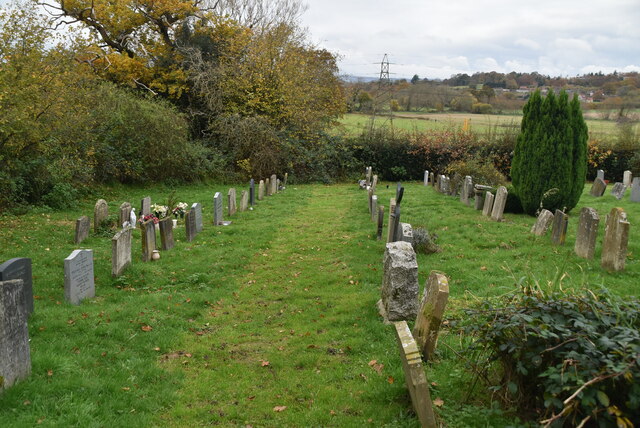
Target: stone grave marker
point(120, 252)
point(145, 206)
point(100, 213)
point(600, 174)
point(618, 190)
point(166, 234)
point(244, 201)
point(252, 192)
point(284, 182)
point(390, 230)
point(587, 233)
point(83, 224)
point(397, 231)
point(635, 190)
point(406, 233)
point(374, 183)
point(261, 190)
point(196, 209)
point(190, 225)
point(426, 178)
point(367, 175)
point(479, 191)
point(626, 178)
point(545, 218)
point(400, 283)
point(488, 204)
point(78, 276)
point(616, 239)
point(598, 187)
point(431, 179)
point(374, 208)
point(268, 186)
point(218, 211)
point(274, 184)
point(20, 268)
point(370, 198)
point(432, 305)
point(417, 383)
point(498, 204)
point(15, 353)
point(380, 222)
point(148, 238)
point(125, 214)
point(559, 230)
point(278, 186)
point(467, 190)
point(231, 201)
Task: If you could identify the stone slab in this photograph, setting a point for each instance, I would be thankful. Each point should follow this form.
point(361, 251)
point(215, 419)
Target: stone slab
point(488, 204)
point(559, 229)
point(121, 252)
point(78, 277)
point(432, 306)
point(20, 268)
point(618, 190)
point(83, 225)
point(598, 187)
point(261, 190)
point(148, 238)
point(145, 206)
point(616, 239)
point(100, 213)
point(244, 201)
point(191, 229)
point(15, 352)
point(635, 190)
point(400, 282)
point(196, 207)
point(499, 203)
point(232, 201)
point(380, 222)
point(587, 233)
point(542, 224)
point(166, 234)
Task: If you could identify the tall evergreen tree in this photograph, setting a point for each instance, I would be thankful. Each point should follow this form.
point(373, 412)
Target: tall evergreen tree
point(550, 157)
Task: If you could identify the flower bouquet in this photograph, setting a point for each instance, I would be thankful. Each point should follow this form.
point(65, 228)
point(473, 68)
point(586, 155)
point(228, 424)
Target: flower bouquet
point(180, 209)
point(160, 211)
point(147, 217)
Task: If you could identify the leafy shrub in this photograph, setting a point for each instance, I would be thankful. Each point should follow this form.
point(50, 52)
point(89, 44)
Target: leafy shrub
point(482, 172)
point(513, 204)
point(481, 108)
point(61, 196)
point(572, 358)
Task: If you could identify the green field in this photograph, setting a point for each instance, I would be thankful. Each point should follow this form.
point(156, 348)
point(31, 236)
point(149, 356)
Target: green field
point(270, 321)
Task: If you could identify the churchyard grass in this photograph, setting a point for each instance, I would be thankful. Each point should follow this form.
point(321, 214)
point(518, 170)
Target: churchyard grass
point(270, 321)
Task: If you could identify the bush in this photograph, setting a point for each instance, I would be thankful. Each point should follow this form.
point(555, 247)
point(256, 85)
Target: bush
point(483, 172)
point(481, 108)
point(513, 204)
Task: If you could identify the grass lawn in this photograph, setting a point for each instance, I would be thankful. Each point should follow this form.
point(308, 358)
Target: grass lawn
point(270, 321)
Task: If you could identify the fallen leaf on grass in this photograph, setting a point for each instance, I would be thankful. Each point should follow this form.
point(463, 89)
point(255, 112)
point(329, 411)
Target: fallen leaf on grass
point(146, 328)
point(279, 408)
point(438, 402)
point(264, 363)
point(483, 268)
point(390, 379)
point(125, 388)
point(376, 366)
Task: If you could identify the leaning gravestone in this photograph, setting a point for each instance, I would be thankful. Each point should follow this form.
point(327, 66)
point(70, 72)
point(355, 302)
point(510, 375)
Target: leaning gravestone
point(618, 190)
point(587, 233)
point(15, 355)
point(244, 201)
point(434, 300)
point(148, 237)
point(488, 204)
point(559, 231)
point(120, 252)
point(261, 190)
point(190, 225)
point(635, 190)
point(196, 209)
point(232, 201)
point(545, 218)
point(598, 187)
point(78, 276)
point(274, 184)
point(400, 283)
point(626, 180)
point(20, 268)
point(125, 214)
point(145, 206)
point(252, 192)
point(600, 174)
point(83, 225)
point(100, 213)
point(166, 234)
point(499, 204)
point(616, 239)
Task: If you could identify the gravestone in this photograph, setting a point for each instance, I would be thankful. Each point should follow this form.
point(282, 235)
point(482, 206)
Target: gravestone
point(191, 229)
point(20, 268)
point(406, 233)
point(467, 190)
point(488, 204)
point(83, 224)
point(626, 178)
point(231, 201)
point(374, 183)
point(284, 182)
point(274, 184)
point(196, 209)
point(431, 179)
point(370, 199)
point(479, 199)
point(432, 305)
point(15, 354)
point(587, 233)
point(400, 283)
point(145, 206)
point(244, 201)
point(635, 190)
point(498, 204)
point(120, 252)
point(437, 182)
point(367, 175)
point(598, 188)
point(616, 239)
point(397, 231)
point(414, 376)
point(374, 208)
point(390, 227)
point(380, 222)
point(218, 211)
point(278, 186)
point(618, 190)
point(125, 214)
point(252, 192)
point(600, 174)
point(148, 238)
point(545, 218)
point(100, 213)
point(261, 190)
point(78, 276)
point(267, 186)
point(426, 178)
point(166, 234)
point(559, 230)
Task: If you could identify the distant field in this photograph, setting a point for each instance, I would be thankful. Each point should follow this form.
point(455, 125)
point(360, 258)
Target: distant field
point(353, 123)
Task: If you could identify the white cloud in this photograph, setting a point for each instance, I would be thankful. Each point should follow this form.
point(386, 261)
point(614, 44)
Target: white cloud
point(527, 43)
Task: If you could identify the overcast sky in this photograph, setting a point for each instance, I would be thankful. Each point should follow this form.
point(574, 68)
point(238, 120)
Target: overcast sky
point(439, 38)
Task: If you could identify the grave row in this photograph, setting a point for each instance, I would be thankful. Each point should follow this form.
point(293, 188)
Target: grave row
point(599, 186)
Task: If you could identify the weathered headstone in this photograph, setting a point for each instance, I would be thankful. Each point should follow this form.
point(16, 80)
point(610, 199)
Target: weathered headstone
point(261, 190)
point(374, 208)
point(120, 251)
point(400, 283)
point(267, 184)
point(587, 233)
point(244, 201)
point(417, 383)
point(616, 239)
point(488, 204)
point(284, 182)
point(231, 201)
point(380, 222)
point(125, 214)
point(148, 237)
point(15, 354)
point(100, 213)
point(545, 218)
point(598, 188)
point(635, 190)
point(274, 184)
point(499, 204)
point(191, 229)
point(406, 233)
point(432, 305)
point(600, 174)
point(618, 190)
point(479, 199)
point(145, 206)
point(397, 231)
point(370, 199)
point(426, 178)
point(218, 211)
point(196, 209)
point(390, 227)
point(467, 190)
point(559, 230)
point(83, 224)
point(20, 268)
point(431, 179)
point(626, 178)
point(446, 185)
point(374, 183)
point(252, 192)
point(166, 234)
point(78, 276)
point(367, 175)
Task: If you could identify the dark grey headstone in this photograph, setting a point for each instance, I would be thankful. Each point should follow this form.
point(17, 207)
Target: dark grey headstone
point(197, 213)
point(20, 268)
point(120, 251)
point(83, 225)
point(166, 234)
point(148, 237)
point(635, 190)
point(598, 187)
point(380, 222)
point(190, 225)
point(15, 355)
point(78, 276)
